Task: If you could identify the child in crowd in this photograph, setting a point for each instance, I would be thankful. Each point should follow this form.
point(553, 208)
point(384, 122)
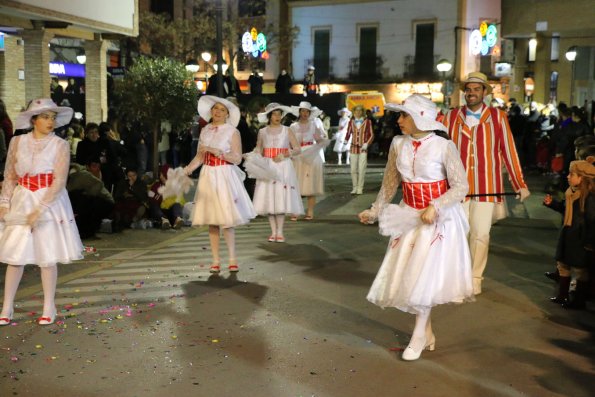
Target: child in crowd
point(577, 237)
point(167, 209)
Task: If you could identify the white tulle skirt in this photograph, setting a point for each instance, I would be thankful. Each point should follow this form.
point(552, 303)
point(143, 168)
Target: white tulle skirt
point(282, 196)
point(54, 239)
point(339, 145)
point(310, 174)
point(221, 198)
point(424, 265)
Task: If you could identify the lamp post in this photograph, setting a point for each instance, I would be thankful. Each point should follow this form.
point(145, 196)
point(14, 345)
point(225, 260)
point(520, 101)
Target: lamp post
point(443, 67)
point(571, 56)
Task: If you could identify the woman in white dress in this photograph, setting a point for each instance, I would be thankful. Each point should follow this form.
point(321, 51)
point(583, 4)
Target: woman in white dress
point(221, 201)
point(427, 262)
point(38, 224)
point(308, 167)
point(340, 147)
point(280, 196)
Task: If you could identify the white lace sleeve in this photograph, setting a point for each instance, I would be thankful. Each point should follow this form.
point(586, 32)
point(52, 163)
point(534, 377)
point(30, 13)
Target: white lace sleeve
point(390, 184)
point(259, 141)
point(457, 178)
point(60, 174)
point(235, 154)
point(10, 174)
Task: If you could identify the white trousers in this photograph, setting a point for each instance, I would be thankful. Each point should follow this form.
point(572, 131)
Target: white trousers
point(359, 163)
point(479, 215)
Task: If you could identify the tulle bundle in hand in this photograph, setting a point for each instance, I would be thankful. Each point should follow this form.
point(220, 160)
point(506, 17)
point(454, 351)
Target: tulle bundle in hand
point(177, 184)
point(259, 167)
point(310, 153)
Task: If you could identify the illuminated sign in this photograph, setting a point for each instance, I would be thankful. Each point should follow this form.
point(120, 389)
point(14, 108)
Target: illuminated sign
point(1, 41)
point(255, 44)
point(483, 40)
point(67, 69)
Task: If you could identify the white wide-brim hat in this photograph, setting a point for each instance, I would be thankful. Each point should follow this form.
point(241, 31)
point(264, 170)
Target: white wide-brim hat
point(206, 103)
point(423, 111)
point(263, 116)
point(314, 111)
point(41, 105)
point(344, 110)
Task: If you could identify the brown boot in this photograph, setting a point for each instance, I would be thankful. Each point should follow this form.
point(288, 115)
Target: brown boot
point(564, 286)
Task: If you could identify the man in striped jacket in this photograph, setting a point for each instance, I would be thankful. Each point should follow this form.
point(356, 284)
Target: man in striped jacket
point(485, 141)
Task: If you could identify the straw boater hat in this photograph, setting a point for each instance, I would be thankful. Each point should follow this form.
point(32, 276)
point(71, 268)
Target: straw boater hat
point(38, 106)
point(423, 111)
point(476, 77)
point(344, 110)
point(206, 103)
point(314, 111)
point(263, 116)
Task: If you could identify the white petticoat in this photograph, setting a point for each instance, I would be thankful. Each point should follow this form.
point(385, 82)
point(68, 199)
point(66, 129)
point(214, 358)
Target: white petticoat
point(275, 197)
point(424, 265)
point(221, 198)
point(309, 169)
point(55, 238)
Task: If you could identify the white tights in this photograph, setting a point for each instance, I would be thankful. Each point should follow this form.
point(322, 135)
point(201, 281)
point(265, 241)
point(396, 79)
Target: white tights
point(230, 239)
point(49, 278)
point(277, 222)
point(422, 330)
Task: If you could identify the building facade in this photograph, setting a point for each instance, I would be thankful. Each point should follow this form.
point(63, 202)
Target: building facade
point(29, 27)
point(541, 33)
point(395, 46)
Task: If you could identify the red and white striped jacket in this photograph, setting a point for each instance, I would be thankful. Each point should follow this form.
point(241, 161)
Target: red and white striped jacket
point(361, 135)
point(483, 148)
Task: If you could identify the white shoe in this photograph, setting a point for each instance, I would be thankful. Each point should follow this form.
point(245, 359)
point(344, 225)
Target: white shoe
point(354, 191)
point(412, 353)
point(359, 191)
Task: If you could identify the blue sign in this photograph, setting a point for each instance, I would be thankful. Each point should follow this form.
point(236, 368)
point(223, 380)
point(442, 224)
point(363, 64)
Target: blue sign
point(67, 69)
point(1, 41)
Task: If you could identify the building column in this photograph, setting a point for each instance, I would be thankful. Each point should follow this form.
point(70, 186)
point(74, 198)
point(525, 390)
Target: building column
point(37, 59)
point(96, 80)
point(542, 69)
point(12, 75)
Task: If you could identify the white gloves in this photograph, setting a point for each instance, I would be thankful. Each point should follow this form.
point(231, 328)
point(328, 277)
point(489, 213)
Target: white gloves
point(365, 146)
point(523, 193)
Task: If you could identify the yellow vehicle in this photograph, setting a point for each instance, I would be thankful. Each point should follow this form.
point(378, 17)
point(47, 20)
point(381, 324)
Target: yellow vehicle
point(372, 100)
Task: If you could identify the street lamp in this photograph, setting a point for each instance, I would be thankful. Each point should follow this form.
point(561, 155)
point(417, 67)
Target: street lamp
point(571, 56)
point(192, 66)
point(224, 67)
point(443, 67)
point(206, 56)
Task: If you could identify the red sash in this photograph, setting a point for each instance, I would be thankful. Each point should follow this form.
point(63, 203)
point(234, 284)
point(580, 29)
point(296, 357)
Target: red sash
point(212, 160)
point(36, 182)
point(419, 195)
point(272, 152)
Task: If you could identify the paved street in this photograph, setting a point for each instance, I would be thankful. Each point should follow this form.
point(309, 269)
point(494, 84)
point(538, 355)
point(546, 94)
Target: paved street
point(143, 317)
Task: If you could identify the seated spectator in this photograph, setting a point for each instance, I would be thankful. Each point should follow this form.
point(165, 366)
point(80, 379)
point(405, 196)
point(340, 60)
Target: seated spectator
point(132, 202)
point(167, 210)
point(91, 202)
